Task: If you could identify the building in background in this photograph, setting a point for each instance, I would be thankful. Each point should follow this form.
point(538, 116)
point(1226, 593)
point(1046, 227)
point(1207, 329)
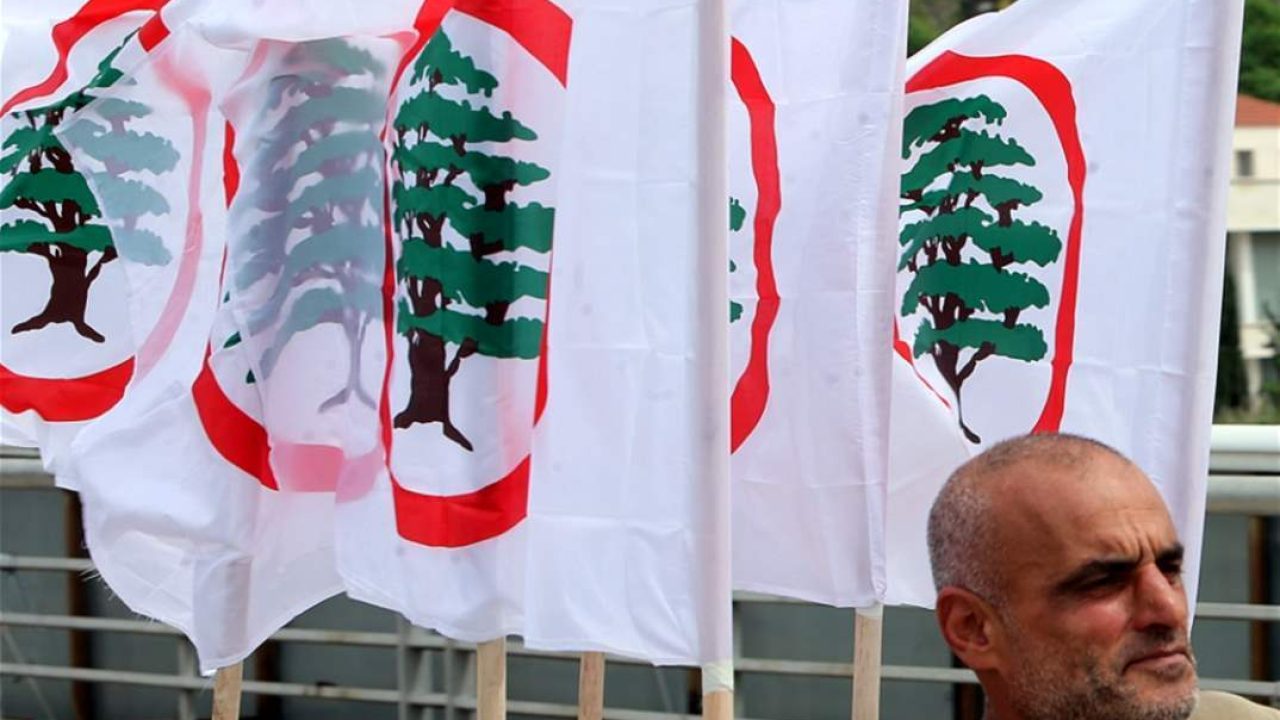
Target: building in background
point(1253, 241)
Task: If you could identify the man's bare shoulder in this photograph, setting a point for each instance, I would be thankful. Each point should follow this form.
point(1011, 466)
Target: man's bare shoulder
point(1224, 706)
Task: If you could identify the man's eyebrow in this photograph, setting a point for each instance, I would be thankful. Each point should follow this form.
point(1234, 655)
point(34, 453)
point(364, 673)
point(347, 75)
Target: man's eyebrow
point(1094, 569)
point(1113, 566)
point(1171, 555)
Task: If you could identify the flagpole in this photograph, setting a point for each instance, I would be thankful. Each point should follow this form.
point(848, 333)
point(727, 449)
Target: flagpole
point(712, 442)
point(868, 634)
point(491, 679)
point(591, 686)
point(226, 692)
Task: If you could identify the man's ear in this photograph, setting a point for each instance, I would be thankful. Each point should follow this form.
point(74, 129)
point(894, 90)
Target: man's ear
point(968, 624)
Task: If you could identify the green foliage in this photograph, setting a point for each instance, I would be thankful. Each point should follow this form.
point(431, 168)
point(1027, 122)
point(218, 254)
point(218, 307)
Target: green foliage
point(1020, 342)
point(737, 215)
point(122, 151)
point(141, 246)
point(122, 197)
point(474, 282)
point(450, 67)
point(514, 338)
point(452, 120)
point(1260, 51)
point(978, 285)
point(980, 149)
point(27, 140)
point(921, 30)
point(20, 236)
point(319, 305)
point(315, 251)
point(924, 123)
point(964, 242)
point(459, 229)
point(514, 226)
point(49, 186)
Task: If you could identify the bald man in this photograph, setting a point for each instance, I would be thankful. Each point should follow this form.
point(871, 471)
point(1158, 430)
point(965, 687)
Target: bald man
point(1059, 577)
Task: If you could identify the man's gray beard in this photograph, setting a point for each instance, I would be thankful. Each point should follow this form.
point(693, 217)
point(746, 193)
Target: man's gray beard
point(1039, 693)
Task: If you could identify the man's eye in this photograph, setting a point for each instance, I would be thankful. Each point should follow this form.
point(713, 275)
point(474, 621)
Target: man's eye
point(1102, 583)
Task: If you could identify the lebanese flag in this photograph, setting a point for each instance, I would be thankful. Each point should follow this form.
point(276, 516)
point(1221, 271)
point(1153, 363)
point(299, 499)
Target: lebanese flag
point(815, 127)
point(1061, 247)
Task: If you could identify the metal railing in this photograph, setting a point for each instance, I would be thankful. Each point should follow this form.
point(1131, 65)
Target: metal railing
point(1244, 480)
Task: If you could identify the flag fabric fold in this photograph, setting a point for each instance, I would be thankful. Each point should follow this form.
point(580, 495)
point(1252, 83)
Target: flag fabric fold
point(815, 118)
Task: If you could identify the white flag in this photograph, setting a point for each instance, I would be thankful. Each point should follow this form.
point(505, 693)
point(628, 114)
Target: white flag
point(816, 123)
point(1061, 247)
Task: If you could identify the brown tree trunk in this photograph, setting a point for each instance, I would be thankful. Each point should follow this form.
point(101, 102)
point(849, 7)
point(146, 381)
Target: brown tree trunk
point(429, 386)
point(69, 294)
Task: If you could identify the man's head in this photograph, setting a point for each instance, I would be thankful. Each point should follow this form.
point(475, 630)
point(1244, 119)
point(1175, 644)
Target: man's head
point(1059, 583)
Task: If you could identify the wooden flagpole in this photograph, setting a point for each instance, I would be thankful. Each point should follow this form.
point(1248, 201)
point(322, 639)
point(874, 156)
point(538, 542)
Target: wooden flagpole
point(713, 348)
point(226, 692)
point(591, 686)
point(868, 633)
point(491, 679)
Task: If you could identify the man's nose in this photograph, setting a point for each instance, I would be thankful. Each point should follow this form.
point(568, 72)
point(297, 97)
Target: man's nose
point(1159, 600)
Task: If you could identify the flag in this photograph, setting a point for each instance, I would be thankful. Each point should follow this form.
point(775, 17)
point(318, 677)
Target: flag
point(381, 392)
point(182, 516)
point(1061, 247)
point(815, 118)
point(70, 343)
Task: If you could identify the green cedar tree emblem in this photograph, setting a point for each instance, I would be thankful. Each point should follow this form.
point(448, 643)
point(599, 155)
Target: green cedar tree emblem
point(45, 183)
point(962, 243)
point(317, 175)
point(737, 216)
point(458, 287)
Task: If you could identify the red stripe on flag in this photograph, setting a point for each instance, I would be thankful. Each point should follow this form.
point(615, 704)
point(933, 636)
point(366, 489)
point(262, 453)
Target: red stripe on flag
point(69, 32)
point(751, 393)
point(230, 169)
point(460, 520)
point(540, 26)
point(1053, 90)
point(153, 33)
point(237, 437)
point(65, 399)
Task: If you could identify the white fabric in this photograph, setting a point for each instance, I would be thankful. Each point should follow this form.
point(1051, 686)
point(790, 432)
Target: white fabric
point(809, 481)
point(1153, 85)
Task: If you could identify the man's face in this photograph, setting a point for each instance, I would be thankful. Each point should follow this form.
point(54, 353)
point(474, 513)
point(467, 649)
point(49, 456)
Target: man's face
point(1094, 617)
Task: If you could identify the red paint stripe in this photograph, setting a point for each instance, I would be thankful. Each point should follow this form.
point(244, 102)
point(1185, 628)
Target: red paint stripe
point(230, 169)
point(69, 32)
point(1053, 90)
point(65, 399)
point(751, 393)
point(539, 26)
point(197, 99)
point(461, 520)
point(237, 437)
point(153, 33)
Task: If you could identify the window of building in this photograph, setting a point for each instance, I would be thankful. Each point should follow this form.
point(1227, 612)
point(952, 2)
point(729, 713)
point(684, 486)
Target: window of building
point(1266, 272)
point(1244, 163)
